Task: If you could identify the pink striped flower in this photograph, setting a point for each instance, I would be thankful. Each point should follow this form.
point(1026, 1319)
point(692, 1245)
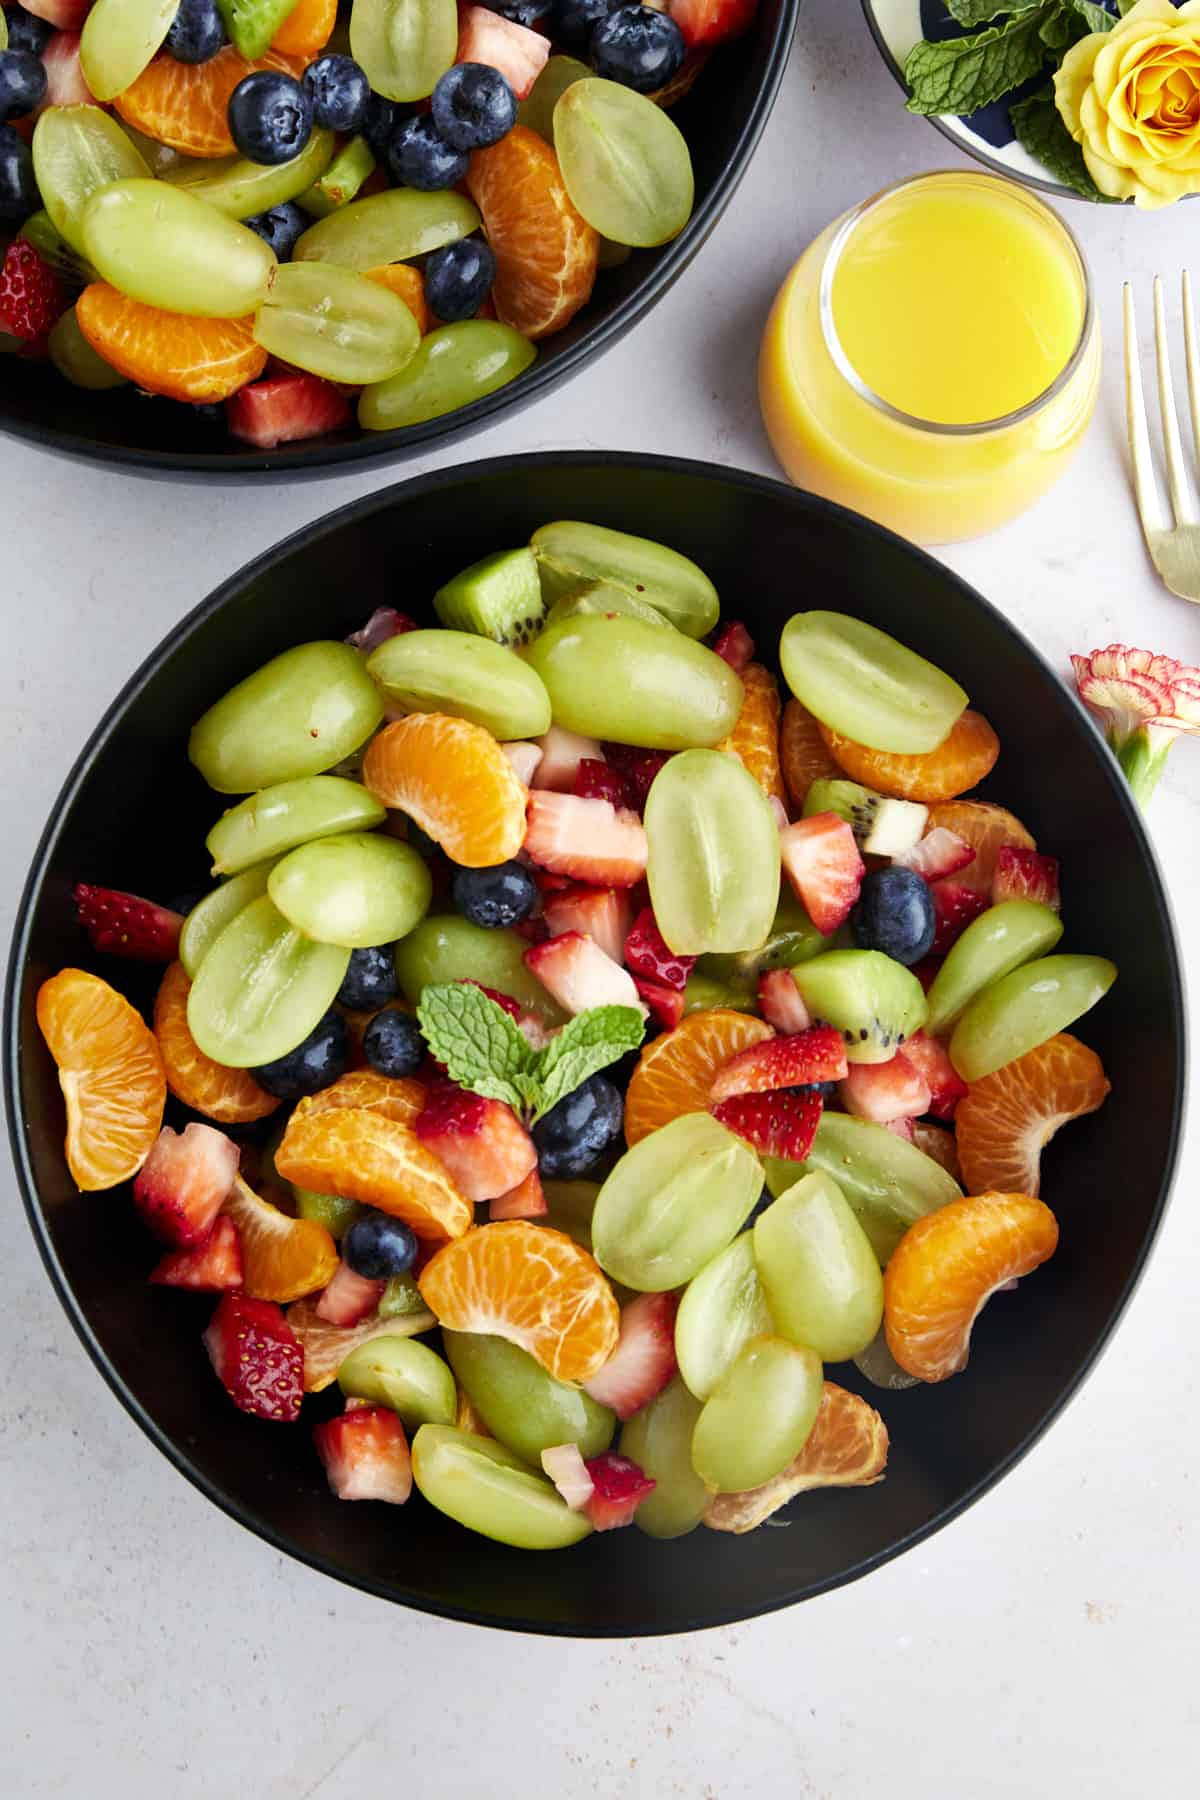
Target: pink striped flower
point(1145, 702)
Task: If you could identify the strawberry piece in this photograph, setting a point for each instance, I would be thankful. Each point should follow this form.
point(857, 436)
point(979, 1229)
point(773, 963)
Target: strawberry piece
point(183, 1183)
point(525, 1201)
point(127, 925)
point(481, 1143)
point(639, 767)
point(257, 1357)
point(568, 1471)
point(647, 953)
point(580, 974)
point(587, 839)
point(780, 1003)
point(618, 1489)
point(349, 1298)
point(885, 1091)
point(711, 21)
point(65, 15)
point(939, 853)
point(665, 1003)
point(518, 53)
point(66, 84)
point(926, 971)
point(31, 295)
point(902, 1128)
point(817, 1054)
point(285, 410)
point(1024, 875)
point(510, 1006)
point(366, 1455)
point(822, 863)
point(213, 1265)
point(384, 623)
point(562, 752)
point(600, 913)
point(954, 906)
point(644, 1359)
point(534, 1030)
point(734, 645)
point(598, 781)
point(783, 1123)
point(929, 1056)
point(525, 759)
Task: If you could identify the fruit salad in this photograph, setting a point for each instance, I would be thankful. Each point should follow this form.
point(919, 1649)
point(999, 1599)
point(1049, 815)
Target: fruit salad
point(292, 219)
point(595, 1082)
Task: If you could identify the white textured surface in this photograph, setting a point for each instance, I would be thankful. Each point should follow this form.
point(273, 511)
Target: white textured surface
point(1045, 1643)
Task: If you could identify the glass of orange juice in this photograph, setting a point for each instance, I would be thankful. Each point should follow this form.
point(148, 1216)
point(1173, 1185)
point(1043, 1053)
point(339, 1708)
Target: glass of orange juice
point(933, 358)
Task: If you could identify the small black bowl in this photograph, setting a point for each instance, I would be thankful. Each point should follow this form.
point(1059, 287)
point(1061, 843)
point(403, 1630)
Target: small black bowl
point(133, 814)
point(722, 118)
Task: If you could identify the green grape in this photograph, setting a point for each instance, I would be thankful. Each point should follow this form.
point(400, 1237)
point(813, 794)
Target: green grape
point(240, 188)
point(450, 948)
point(356, 889)
point(659, 1440)
point(633, 682)
point(119, 39)
point(390, 227)
point(994, 944)
point(672, 1202)
point(73, 270)
point(703, 991)
point(1024, 1008)
point(713, 855)
point(209, 917)
point(521, 1405)
point(400, 1373)
point(279, 818)
point(157, 157)
point(337, 324)
point(481, 1485)
point(75, 359)
point(335, 1214)
point(77, 150)
point(605, 598)
point(722, 1308)
point(537, 109)
point(404, 47)
point(341, 180)
point(468, 676)
point(861, 682)
point(300, 714)
point(453, 366)
point(818, 1270)
point(570, 552)
point(879, 1366)
point(759, 1415)
point(161, 245)
point(569, 1209)
point(625, 164)
point(261, 988)
point(401, 1298)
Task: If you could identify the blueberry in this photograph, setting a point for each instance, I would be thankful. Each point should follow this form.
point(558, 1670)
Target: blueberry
point(370, 980)
point(894, 914)
point(377, 1246)
point(502, 895)
point(340, 93)
point(18, 187)
point(457, 279)
point(382, 118)
point(575, 20)
point(826, 1089)
point(639, 47)
point(25, 32)
point(270, 116)
point(392, 1043)
point(473, 106)
point(197, 33)
point(521, 12)
point(22, 83)
point(281, 227)
point(316, 1061)
point(419, 157)
point(573, 1136)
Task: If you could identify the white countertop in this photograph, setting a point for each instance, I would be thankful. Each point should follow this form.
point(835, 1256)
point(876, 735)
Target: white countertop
point(1045, 1642)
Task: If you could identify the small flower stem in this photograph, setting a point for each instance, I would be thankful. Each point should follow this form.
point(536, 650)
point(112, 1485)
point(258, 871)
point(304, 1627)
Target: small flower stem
point(1142, 762)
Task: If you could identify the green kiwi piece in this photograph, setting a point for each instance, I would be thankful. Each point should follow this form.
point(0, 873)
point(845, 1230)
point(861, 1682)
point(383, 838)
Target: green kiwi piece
point(498, 597)
point(874, 1002)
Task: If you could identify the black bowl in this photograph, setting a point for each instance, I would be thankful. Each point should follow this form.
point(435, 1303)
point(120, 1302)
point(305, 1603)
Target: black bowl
point(133, 814)
point(722, 118)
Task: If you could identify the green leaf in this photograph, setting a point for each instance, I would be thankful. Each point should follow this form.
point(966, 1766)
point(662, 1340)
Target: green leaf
point(979, 12)
point(584, 1046)
point(482, 1048)
point(963, 74)
point(1125, 6)
point(1096, 18)
point(1059, 29)
point(1040, 130)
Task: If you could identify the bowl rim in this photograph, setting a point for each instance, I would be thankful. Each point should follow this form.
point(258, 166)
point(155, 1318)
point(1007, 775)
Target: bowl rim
point(380, 501)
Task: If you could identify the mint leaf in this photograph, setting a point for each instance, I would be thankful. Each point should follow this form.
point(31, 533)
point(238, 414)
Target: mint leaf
point(963, 74)
point(1040, 130)
point(482, 1048)
point(584, 1046)
point(979, 12)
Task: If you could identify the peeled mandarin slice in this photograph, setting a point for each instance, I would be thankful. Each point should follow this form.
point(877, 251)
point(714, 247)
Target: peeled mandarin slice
point(987, 828)
point(283, 1258)
point(409, 284)
point(935, 1141)
point(231, 1096)
point(546, 252)
point(675, 1072)
point(111, 1075)
point(531, 1285)
point(455, 781)
point(960, 762)
point(389, 1095)
point(185, 105)
point(754, 740)
point(327, 1346)
point(847, 1447)
point(307, 29)
point(948, 1265)
point(357, 1153)
point(183, 358)
point(1007, 1118)
point(802, 754)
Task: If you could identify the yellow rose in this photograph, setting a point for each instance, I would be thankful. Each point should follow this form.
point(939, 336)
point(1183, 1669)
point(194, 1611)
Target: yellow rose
point(1130, 98)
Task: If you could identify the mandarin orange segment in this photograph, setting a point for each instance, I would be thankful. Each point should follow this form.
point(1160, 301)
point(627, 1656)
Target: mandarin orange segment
point(948, 1265)
point(185, 105)
point(183, 358)
point(283, 1258)
point(357, 1153)
point(389, 1095)
point(802, 754)
point(307, 29)
point(453, 778)
point(1007, 1119)
point(675, 1072)
point(230, 1096)
point(960, 762)
point(847, 1447)
point(111, 1075)
point(987, 828)
point(529, 1284)
point(754, 739)
point(409, 284)
point(546, 252)
point(939, 1143)
point(327, 1346)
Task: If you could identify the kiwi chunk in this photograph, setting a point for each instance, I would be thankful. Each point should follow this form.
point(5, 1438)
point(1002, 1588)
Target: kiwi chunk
point(499, 597)
point(873, 1001)
point(881, 826)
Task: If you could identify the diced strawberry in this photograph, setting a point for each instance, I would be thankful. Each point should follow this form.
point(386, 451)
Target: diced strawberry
point(534, 1030)
point(644, 1359)
point(647, 953)
point(481, 1143)
point(883, 1091)
point(487, 37)
point(618, 1489)
point(817, 1054)
point(929, 1056)
point(511, 1006)
point(639, 767)
point(562, 752)
point(939, 853)
point(213, 1265)
point(127, 925)
point(65, 81)
point(711, 21)
point(783, 1123)
point(366, 1455)
point(551, 884)
point(926, 971)
point(568, 1471)
point(822, 863)
point(1024, 875)
point(600, 913)
point(257, 1357)
point(349, 1298)
point(525, 759)
point(384, 623)
point(283, 411)
point(734, 645)
point(587, 839)
point(599, 781)
point(954, 907)
point(580, 974)
point(525, 1201)
point(780, 1003)
point(665, 1003)
point(901, 1128)
point(31, 295)
point(65, 15)
point(181, 1186)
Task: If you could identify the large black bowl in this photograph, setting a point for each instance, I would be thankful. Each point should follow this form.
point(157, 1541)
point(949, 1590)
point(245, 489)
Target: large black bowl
point(722, 118)
point(134, 815)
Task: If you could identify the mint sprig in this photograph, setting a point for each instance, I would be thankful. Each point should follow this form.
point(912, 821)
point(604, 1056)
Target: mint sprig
point(1040, 130)
point(981, 12)
point(960, 75)
point(582, 1048)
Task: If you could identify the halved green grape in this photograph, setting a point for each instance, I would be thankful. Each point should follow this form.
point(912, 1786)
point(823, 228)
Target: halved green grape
point(635, 683)
point(625, 164)
point(659, 1440)
point(75, 359)
point(537, 108)
point(209, 917)
point(818, 1270)
point(480, 1484)
point(161, 245)
point(861, 682)
point(398, 1372)
point(704, 991)
point(722, 1308)
point(468, 676)
point(792, 939)
point(873, 1001)
point(758, 1416)
point(240, 188)
point(450, 948)
point(390, 227)
point(713, 863)
point(994, 944)
point(77, 150)
point(404, 46)
point(605, 598)
point(571, 551)
point(523, 1406)
point(335, 323)
point(279, 818)
point(300, 714)
point(355, 889)
point(341, 180)
point(1024, 1008)
point(453, 366)
point(401, 1298)
point(569, 1208)
point(879, 1366)
point(261, 988)
point(336, 1215)
point(672, 1202)
point(73, 270)
point(119, 39)
point(157, 157)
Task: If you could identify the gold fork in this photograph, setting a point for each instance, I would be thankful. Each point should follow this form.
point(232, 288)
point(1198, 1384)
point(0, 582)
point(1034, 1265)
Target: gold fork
point(1174, 549)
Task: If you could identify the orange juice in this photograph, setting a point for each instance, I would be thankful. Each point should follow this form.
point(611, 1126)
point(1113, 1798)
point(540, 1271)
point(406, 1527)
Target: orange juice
point(932, 360)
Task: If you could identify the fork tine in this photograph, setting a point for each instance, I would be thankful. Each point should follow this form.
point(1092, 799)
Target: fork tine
point(1192, 355)
point(1144, 485)
point(1177, 477)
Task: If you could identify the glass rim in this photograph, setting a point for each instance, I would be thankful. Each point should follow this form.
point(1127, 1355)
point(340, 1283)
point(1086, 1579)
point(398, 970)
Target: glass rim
point(850, 374)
